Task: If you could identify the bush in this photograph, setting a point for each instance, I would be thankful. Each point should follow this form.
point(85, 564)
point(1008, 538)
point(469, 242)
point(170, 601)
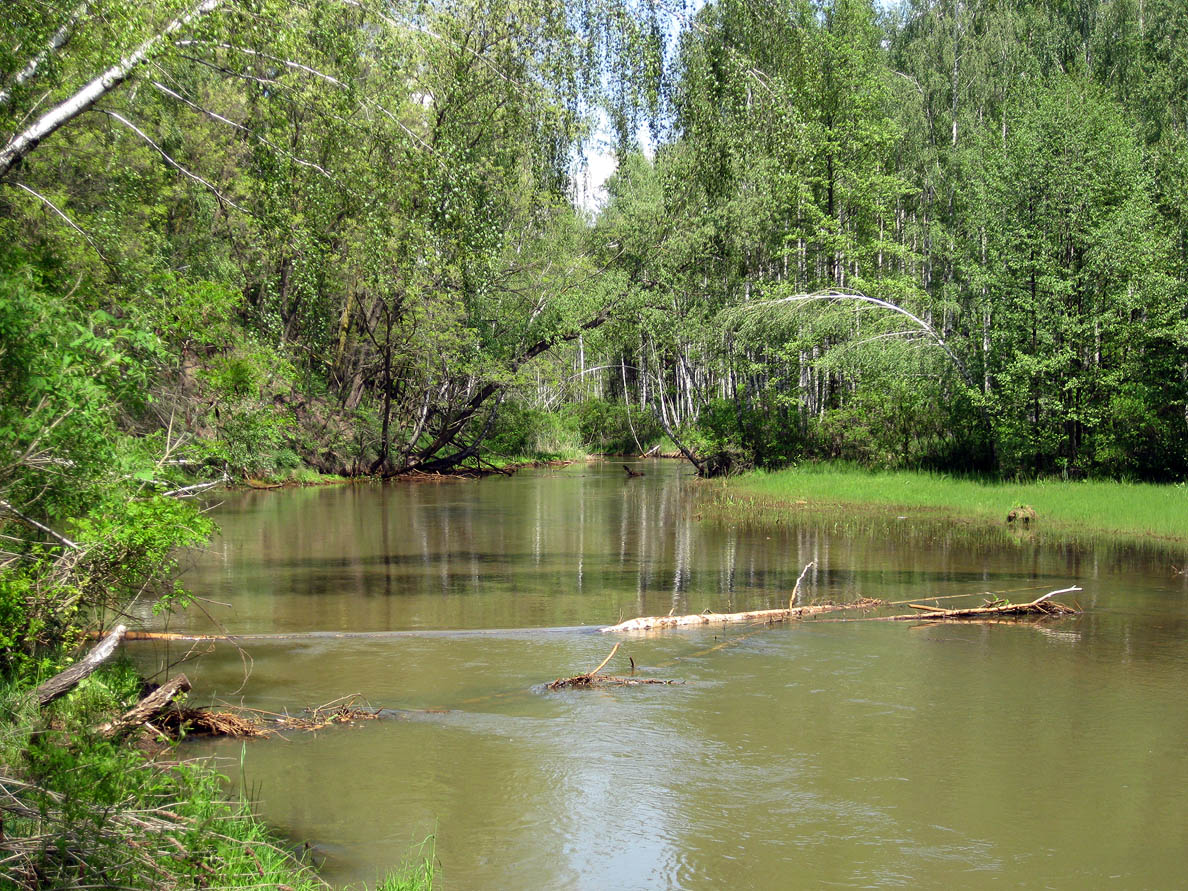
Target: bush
point(732, 437)
point(614, 428)
point(521, 432)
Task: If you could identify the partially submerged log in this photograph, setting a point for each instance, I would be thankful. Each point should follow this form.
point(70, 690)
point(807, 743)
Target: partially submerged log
point(63, 682)
point(763, 616)
point(260, 484)
point(148, 708)
point(1041, 607)
point(606, 680)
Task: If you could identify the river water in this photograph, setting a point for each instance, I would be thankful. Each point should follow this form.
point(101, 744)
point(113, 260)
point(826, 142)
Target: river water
point(852, 753)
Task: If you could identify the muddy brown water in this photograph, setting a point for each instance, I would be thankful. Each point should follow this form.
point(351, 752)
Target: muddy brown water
point(848, 754)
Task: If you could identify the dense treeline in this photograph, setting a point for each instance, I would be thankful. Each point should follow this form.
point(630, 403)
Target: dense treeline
point(1010, 173)
point(349, 227)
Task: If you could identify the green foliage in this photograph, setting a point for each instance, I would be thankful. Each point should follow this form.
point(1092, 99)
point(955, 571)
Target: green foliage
point(525, 433)
point(252, 431)
point(67, 377)
point(614, 428)
point(1086, 319)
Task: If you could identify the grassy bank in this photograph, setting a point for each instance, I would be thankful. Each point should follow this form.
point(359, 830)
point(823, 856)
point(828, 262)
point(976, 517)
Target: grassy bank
point(80, 809)
point(1139, 510)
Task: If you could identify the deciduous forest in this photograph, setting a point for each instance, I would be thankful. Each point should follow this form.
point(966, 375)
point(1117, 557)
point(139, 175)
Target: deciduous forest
point(244, 239)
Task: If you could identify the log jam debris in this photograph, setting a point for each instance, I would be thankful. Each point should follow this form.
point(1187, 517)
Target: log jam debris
point(594, 679)
point(1040, 608)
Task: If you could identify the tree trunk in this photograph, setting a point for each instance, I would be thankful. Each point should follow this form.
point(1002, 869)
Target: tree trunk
point(26, 140)
point(62, 683)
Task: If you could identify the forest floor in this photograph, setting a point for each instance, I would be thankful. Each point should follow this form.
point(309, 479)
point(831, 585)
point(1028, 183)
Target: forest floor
point(1087, 507)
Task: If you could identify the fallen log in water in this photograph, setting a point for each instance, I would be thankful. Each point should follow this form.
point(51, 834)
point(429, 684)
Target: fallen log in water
point(763, 616)
point(1041, 607)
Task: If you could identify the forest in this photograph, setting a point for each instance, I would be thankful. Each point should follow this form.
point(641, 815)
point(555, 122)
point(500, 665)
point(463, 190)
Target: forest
point(252, 239)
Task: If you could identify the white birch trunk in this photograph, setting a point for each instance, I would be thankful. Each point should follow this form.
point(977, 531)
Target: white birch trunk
point(67, 110)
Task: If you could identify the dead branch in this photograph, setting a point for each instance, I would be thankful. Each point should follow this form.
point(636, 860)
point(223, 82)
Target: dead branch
point(29, 521)
point(63, 682)
point(196, 489)
point(170, 161)
point(147, 708)
point(594, 679)
point(69, 222)
point(796, 587)
point(1041, 607)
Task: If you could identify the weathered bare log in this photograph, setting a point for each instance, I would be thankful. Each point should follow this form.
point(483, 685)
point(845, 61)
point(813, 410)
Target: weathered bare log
point(63, 682)
point(147, 708)
point(657, 623)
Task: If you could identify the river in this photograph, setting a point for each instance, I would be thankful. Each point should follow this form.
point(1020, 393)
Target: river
point(851, 753)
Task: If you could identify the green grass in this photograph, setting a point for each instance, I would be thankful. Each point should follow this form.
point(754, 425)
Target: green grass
point(416, 875)
point(85, 811)
point(1089, 507)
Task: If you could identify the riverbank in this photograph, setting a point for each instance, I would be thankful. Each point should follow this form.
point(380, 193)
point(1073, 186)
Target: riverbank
point(1133, 510)
point(80, 802)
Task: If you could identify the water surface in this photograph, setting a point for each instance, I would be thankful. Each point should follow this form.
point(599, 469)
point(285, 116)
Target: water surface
point(852, 754)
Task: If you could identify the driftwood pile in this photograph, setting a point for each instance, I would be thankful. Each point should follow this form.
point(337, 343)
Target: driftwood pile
point(247, 722)
point(164, 718)
point(594, 679)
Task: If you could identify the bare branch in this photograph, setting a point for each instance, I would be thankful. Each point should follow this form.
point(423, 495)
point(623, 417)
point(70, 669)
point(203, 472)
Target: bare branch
point(238, 126)
point(288, 63)
point(127, 123)
point(196, 489)
point(59, 212)
point(29, 521)
point(321, 75)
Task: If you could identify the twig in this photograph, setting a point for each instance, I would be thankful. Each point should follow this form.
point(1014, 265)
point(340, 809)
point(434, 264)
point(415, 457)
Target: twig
point(602, 665)
point(29, 521)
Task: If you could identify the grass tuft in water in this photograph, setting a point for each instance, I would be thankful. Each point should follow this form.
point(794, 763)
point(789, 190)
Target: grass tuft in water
point(417, 875)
